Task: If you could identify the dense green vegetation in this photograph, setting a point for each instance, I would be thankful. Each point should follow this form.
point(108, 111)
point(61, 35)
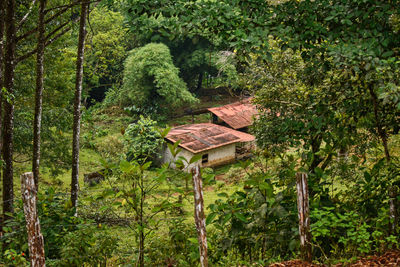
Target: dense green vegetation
point(323, 74)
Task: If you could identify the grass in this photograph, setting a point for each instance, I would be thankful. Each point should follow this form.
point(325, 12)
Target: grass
point(110, 123)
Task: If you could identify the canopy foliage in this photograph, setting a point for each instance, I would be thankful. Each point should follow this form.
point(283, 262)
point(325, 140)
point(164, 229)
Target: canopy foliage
point(150, 77)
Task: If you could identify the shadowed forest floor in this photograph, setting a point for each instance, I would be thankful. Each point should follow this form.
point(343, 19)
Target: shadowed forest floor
point(390, 258)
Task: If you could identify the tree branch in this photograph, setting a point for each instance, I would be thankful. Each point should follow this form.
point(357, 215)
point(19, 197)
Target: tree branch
point(48, 42)
point(26, 15)
point(29, 33)
point(70, 5)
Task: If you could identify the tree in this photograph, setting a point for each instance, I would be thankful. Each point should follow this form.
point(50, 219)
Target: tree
point(352, 38)
point(107, 46)
point(39, 93)
point(2, 28)
point(8, 123)
point(77, 106)
point(151, 77)
point(17, 49)
point(196, 31)
point(296, 115)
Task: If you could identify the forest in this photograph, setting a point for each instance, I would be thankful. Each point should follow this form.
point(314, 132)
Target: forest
point(110, 125)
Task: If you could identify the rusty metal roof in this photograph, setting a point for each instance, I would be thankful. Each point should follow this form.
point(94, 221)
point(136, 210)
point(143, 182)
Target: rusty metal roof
point(237, 115)
point(205, 136)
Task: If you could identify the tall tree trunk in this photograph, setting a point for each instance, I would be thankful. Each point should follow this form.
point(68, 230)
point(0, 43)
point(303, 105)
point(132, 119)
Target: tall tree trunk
point(8, 123)
point(77, 107)
point(2, 16)
point(38, 94)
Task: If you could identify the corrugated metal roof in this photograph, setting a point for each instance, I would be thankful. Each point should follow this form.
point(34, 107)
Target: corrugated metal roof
point(205, 136)
point(237, 115)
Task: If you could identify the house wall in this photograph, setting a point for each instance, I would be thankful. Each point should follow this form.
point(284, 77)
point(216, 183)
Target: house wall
point(217, 156)
point(220, 155)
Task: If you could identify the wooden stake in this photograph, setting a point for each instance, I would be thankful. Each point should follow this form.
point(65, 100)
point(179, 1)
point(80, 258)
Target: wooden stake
point(392, 210)
point(199, 215)
point(304, 218)
point(35, 238)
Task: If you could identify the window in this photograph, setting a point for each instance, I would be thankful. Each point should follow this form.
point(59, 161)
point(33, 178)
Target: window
point(204, 158)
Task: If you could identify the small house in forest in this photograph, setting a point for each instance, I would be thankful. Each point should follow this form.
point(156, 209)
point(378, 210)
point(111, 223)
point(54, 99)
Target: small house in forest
point(215, 143)
point(238, 115)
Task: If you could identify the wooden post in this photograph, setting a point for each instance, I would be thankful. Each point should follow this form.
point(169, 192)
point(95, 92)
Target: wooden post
point(304, 219)
point(199, 215)
point(35, 238)
point(392, 210)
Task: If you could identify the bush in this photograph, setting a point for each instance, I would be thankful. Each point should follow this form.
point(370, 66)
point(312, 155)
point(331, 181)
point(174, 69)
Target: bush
point(143, 140)
point(111, 147)
point(87, 245)
point(151, 77)
point(64, 234)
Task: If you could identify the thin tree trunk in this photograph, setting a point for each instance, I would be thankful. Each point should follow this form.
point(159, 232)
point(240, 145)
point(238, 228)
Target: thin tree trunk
point(2, 16)
point(304, 218)
point(199, 82)
point(383, 136)
point(8, 123)
point(199, 216)
point(77, 107)
point(38, 94)
point(141, 222)
point(35, 237)
point(393, 218)
point(381, 132)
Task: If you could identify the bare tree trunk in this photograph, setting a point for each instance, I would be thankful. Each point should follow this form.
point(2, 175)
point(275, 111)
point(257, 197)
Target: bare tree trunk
point(199, 216)
point(304, 218)
point(35, 238)
point(393, 218)
point(199, 82)
point(8, 123)
point(2, 16)
point(39, 93)
point(77, 107)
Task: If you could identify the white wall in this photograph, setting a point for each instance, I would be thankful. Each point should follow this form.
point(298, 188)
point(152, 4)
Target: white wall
point(216, 156)
point(220, 155)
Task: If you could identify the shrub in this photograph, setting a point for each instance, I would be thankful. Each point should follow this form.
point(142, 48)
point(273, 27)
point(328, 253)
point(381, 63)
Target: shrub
point(110, 147)
point(142, 140)
point(151, 77)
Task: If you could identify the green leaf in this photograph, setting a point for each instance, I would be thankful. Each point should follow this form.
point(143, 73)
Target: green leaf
point(195, 158)
point(146, 165)
point(211, 217)
point(193, 240)
point(227, 217)
point(223, 194)
point(240, 216)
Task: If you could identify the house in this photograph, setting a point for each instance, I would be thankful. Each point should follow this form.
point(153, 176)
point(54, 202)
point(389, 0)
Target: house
point(215, 143)
point(238, 115)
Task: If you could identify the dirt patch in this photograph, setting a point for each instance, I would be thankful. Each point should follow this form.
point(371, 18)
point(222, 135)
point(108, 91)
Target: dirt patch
point(390, 258)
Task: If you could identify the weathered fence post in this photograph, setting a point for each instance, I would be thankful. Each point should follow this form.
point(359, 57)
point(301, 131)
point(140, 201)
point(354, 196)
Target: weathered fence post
point(304, 218)
point(393, 210)
point(199, 216)
point(35, 238)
